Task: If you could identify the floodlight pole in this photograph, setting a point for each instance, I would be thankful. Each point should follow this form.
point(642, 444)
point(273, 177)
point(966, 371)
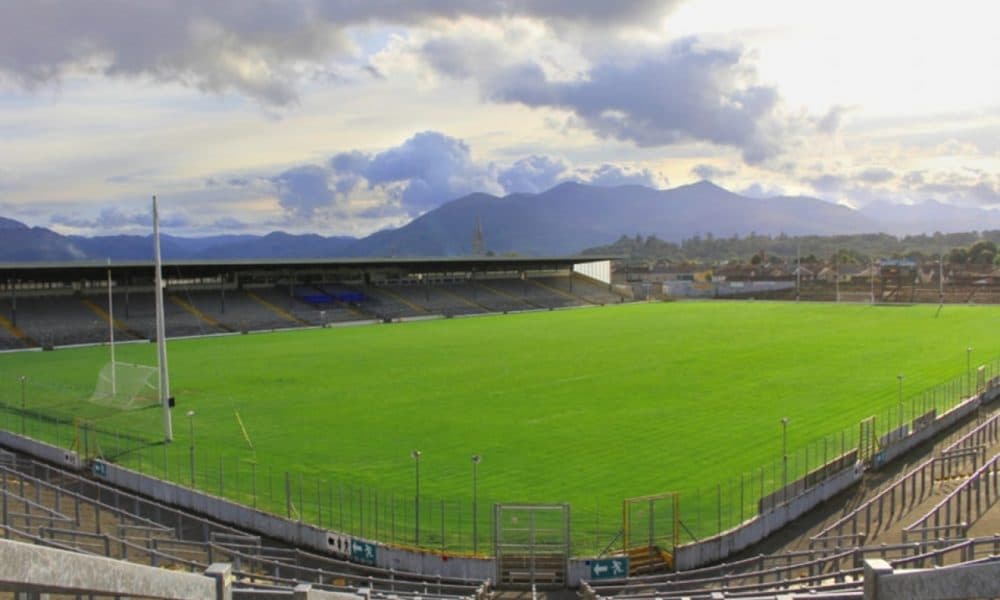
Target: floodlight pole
point(416, 500)
point(23, 379)
point(784, 452)
point(190, 415)
point(475, 463)
point(161, 330)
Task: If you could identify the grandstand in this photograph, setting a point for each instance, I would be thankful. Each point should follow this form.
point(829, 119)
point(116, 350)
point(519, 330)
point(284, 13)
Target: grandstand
point(57, 508)
point(65, 304)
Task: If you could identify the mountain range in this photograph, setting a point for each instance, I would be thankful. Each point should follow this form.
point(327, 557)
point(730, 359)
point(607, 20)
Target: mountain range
point(562, 220)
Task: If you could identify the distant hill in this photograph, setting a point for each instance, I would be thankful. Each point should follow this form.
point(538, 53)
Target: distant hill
point(931, 216)
point(573, 216)
point(563, 220)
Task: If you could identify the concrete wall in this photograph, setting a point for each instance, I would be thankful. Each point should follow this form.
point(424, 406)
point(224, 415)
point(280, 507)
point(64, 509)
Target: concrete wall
point(47, 452)
point(25, 567)
point(946, 420)
point(714, 549)
point(300, 534)
point(882, 582)
point(599, 270)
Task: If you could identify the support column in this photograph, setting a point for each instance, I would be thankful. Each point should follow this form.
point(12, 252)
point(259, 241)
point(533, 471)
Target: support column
point(222, 573)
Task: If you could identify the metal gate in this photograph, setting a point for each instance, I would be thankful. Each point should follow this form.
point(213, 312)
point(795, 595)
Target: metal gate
point(867, 441)
point(531, 544)
point(651, 531)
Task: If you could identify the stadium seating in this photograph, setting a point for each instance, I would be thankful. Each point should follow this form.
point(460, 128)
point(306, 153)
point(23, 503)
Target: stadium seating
point(81, 318)
point(49, 506)
point(828, 562)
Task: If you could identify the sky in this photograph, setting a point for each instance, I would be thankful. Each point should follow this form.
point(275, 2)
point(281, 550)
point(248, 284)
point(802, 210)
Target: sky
point(344, 117)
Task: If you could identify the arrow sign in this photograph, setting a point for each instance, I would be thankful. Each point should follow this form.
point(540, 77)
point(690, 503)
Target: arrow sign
point(608, 568)
point(363, 552)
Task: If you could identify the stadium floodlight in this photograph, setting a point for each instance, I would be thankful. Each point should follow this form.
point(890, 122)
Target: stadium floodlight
point(190, 415)
point(416, 499)
point(24, 380)
point(475, 463)
point(784, 453)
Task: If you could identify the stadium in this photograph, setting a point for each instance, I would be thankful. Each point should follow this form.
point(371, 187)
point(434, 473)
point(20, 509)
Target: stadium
point(477, 426)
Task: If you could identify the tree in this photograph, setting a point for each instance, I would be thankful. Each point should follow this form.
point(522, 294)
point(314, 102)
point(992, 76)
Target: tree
point(982, 252)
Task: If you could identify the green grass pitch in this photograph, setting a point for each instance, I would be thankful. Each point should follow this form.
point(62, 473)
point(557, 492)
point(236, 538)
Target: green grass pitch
point(581, 406)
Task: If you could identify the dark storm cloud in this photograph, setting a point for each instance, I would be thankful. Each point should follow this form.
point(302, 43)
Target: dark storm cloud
point(686, 92)
point(258, 49)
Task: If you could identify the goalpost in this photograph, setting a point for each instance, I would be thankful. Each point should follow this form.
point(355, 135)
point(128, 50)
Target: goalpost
point(126, 386)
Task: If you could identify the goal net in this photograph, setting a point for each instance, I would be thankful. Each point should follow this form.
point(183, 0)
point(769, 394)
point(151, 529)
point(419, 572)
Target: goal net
point(126, 386)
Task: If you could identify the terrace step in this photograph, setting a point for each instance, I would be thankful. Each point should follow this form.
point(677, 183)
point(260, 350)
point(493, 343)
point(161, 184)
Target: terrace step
point(645, 560)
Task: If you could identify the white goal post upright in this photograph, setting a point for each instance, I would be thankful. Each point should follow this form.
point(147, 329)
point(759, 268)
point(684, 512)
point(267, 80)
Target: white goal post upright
point(111, 333)
point(161, 337)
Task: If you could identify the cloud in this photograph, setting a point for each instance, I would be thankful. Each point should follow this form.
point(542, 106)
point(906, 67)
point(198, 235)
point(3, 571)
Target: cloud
point(303, 191)
point(833, 119)
point(533, 174)
point(711, 172)
point(230, 224)
point(613, 175)
point(876, 175)
point(972, 193)
point(827, 182)
point(758, 190)
point(261, 49)
point(685, 92)
point(423, 172)
point(114, 219)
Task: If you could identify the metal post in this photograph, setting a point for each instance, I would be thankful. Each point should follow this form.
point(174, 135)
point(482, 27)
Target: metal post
point(871, 273)
point(968, 370)
point(475, 530)
point(23, 379)
point(798, 270)
point(416, 499)
point(784, 455)
point(190, 415)
point(900, 378)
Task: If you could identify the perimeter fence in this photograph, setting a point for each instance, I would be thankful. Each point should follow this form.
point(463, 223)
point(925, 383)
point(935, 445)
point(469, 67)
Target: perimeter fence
point(452, 526)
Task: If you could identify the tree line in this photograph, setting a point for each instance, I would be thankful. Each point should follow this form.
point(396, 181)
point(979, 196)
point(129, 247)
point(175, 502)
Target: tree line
point(968, 248)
